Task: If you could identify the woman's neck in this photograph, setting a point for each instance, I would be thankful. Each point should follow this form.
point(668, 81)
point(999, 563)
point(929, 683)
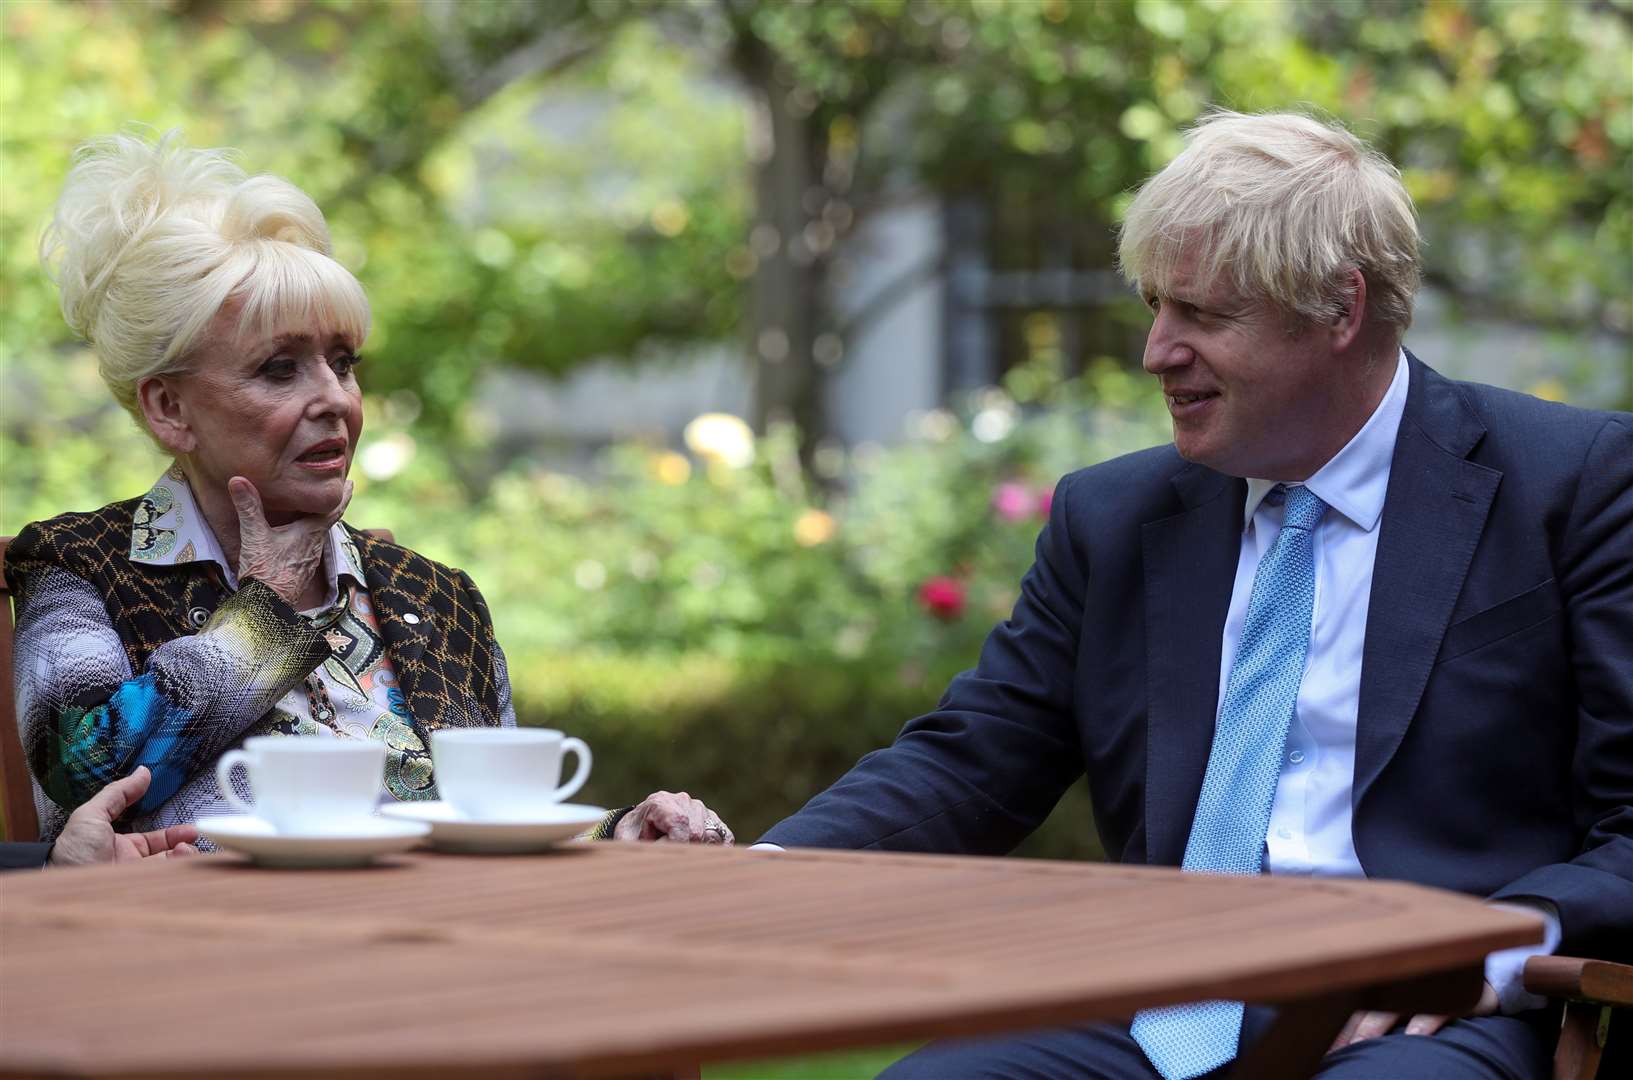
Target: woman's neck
point(221, 517)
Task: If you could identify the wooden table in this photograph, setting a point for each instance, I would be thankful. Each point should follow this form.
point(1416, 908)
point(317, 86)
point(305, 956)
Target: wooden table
point(616, 958)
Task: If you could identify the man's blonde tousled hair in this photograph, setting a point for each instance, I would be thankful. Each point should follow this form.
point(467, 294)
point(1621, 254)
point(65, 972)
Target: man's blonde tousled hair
point(151, 238)
point(1283, 206)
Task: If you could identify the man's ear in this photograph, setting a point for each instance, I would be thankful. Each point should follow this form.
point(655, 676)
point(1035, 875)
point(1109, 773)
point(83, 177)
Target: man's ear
point(1346, 328)
point(165, 414)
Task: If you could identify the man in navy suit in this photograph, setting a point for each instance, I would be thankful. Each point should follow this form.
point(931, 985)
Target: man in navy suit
point(1358, 619)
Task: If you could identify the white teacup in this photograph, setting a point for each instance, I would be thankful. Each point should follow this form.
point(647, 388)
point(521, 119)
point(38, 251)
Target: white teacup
point(505, 774)
point(309, 784)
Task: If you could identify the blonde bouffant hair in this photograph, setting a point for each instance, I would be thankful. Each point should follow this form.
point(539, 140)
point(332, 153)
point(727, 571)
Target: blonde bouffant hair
point(151, 238)
point(1284, 207)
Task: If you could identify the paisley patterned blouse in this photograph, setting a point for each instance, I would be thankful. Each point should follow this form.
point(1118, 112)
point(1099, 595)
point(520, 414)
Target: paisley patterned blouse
point(64, 635)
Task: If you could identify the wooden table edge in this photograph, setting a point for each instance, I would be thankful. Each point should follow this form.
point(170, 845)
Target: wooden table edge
point(1044, 1010)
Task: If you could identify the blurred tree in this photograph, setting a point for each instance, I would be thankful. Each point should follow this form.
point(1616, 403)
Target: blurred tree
point(544, 183)
point(490, 223)
point(1512, 121)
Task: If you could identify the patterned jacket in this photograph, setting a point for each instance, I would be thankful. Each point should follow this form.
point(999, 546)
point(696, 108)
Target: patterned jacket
point(123, 663)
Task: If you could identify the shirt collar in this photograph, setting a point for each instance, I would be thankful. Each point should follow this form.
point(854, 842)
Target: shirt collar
point(168, 529)
point(1356, 479)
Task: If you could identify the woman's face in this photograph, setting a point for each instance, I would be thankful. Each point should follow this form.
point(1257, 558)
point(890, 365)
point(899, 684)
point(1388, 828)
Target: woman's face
point(283, 411)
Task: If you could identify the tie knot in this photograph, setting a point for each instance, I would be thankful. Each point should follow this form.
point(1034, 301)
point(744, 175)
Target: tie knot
point(1304, 508)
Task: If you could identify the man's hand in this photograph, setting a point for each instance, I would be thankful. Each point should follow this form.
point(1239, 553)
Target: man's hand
point(1369, 1025)
point(89, 837)
point(286, 557)
point(675, 817)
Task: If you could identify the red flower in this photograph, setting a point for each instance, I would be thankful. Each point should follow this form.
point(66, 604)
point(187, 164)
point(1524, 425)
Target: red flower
point(1046, 499)
point(943, 597)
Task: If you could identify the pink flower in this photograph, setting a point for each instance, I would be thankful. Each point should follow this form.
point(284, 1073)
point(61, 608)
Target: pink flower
point(1012, 501)
point(1046, 499)
point(943, 597)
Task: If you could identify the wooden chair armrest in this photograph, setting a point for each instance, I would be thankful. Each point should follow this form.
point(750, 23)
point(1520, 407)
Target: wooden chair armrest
point(1575, 979)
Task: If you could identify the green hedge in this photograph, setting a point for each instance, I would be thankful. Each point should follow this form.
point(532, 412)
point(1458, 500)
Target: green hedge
point(754, 742)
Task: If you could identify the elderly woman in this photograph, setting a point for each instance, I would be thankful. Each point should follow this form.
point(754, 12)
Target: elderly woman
point(230, 600)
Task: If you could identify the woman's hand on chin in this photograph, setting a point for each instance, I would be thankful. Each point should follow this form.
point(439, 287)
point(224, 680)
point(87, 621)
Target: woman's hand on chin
point(673, 816)
point(285, 557)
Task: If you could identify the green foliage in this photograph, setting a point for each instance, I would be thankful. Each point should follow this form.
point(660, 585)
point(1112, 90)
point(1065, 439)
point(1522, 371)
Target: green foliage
point(1512, 120)
point(707, 627)
point(715, 628)
point(49, 465)
point(854, 1065)
point(487, 222)
point(542, 184)
point(712, 627)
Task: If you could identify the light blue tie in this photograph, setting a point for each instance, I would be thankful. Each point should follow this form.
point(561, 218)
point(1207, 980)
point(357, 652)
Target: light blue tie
point(1233, 811)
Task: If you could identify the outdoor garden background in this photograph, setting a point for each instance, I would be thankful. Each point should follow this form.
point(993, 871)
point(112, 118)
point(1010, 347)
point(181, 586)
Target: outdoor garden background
point(608, 191)
point(742, 609)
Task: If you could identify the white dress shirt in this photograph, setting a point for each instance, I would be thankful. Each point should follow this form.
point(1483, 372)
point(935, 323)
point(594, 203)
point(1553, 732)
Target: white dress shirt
point(1310, 819)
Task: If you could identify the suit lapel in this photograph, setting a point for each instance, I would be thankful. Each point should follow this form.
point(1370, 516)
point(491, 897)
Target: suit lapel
point(1433, 515)
point(1190, 568)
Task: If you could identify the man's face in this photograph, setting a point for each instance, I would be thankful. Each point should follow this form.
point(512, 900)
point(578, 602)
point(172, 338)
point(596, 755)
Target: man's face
point(1250, 393)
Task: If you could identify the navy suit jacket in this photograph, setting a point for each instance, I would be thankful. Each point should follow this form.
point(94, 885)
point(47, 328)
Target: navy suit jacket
point(23, 855)
point(1494, 741)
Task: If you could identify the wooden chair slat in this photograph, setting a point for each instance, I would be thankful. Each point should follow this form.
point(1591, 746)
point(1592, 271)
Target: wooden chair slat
point(16, 789)
point(1573, 978)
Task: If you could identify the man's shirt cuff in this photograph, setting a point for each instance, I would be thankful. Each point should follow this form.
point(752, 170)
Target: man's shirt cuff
point(1505, 970)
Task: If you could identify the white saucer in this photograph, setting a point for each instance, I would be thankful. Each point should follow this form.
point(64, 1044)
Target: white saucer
point(360, 844)
point(451, 831)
